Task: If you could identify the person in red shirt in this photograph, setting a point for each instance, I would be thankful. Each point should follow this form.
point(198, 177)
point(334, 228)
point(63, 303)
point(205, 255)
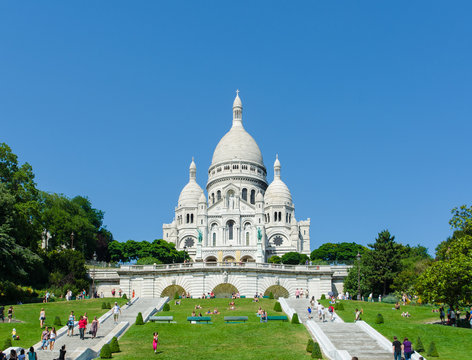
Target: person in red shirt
point(82, 326)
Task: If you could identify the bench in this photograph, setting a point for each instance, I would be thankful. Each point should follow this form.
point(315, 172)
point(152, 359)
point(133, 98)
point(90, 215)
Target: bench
point(280, 317)
point(236, 318)
point(199, 319)
point(169, 319)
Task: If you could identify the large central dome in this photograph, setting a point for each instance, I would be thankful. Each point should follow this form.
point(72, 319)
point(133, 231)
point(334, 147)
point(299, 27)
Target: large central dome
point(237, 143)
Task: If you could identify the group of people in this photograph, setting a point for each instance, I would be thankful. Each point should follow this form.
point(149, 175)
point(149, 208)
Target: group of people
point(48, 338)
point(262, 314)
point(453, 316)
point(321, 310)
point(22, 355)
point(113, 292)
point(300, 294)
point(9, 314)
point(404, 347)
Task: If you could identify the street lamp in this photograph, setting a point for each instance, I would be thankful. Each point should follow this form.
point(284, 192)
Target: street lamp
point(72, 240)
point(93, 273)
point(185, 254)
point(358, 276)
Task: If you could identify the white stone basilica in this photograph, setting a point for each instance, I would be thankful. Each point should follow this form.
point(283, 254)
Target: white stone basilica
point(244, 218)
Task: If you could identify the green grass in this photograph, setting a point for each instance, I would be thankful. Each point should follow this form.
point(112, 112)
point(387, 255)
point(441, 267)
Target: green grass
point(28, 329)
point(452, 343)
point(250, 340)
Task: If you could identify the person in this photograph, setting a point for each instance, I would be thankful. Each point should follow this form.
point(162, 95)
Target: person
point(119, 292)
point(155, 341)
point(52, 338)
point(13, 355)
point(94, 327)
point(22, 355)
point(44, 338)
point(370, 297)
point(2, 315)
point(42, 318)
point(407, 348)
point(2, 355)
point(470, 317)
point(358, 315)
point(318, 307)
point(453, 317)
point(442, 314)
point(331, 312)
point(62, 353)
point(116, 312)
point(133, 294)
point(309, 312)
point(70, 324)
point(10, 314)
point(31, 354)
point(82, 326)
point(113, 292)
point(397, 306)
point(297, 293)
point(380, 298)
point(397, 349)
point(264, 316)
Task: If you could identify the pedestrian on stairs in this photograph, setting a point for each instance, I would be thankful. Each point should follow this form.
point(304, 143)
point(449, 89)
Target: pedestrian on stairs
point(397, 349)
point(309, 313)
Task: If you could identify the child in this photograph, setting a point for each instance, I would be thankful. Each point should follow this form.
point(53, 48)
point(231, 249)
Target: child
point(13, 335)
point(155, 341)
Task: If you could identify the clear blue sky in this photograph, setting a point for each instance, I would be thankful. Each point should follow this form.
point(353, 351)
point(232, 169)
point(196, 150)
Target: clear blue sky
point(367, 103)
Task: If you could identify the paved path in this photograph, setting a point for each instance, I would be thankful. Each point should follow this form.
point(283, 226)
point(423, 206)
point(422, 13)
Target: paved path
point(73, 342)
point(344, 336)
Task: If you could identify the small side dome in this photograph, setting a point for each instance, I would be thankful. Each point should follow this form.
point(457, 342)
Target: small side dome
point(202, 198)
point(259, 197)
point(278, 194)
point(191, 193)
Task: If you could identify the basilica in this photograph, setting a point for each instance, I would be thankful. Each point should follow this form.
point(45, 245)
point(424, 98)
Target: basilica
point(243, 218)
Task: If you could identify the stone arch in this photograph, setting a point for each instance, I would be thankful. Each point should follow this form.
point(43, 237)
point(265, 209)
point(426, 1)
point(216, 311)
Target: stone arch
point(229, 258)
point(224, 290)
point(247, 258)
point(171, 290)
point(211, 258)
point(277, 291)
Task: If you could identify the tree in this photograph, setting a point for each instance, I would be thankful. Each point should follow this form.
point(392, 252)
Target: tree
point(274, 259)
point(291, 258)
point(338, 253)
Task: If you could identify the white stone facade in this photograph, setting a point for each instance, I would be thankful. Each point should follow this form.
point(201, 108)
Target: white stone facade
point(243, 218)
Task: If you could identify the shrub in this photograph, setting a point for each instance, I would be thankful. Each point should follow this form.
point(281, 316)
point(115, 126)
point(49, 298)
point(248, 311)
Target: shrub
point(295, 319)
point(390, 299)
point(166, 307)
point(108, 305)
point(104, 305)
point(310, 346)
point(57, 321)
point(432, 351)
point(105, 353)
point(338, 306)
point(379, 319)
point(316, 354)
point(271, 295)
point(176, 296)
point(323, 297)
point(277, 307)
point(114, 346)
point(139, 319)
point(7, 343)
point(125, 297)
point(419, 345)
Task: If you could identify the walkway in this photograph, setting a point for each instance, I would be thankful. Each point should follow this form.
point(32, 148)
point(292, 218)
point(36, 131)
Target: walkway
point(73, 342)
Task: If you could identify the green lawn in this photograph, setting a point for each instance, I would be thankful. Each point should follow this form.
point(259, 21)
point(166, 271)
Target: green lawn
point(452, 343)
point(250, 340)
point(28, 329)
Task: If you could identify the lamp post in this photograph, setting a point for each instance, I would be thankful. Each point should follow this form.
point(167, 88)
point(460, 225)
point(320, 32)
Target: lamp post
point(93, 273)
point(72, 240)
point(358, 276)
point(185, 254)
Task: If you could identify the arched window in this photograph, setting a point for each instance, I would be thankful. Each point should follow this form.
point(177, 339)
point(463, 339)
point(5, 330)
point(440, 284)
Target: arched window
point(253, 196)
point(230, 225)
point(275, 216)
point(188, 218)
point(244, 194)
point(191, 218)
point(213, 198)
point(218, 195)
point(247, 238)
point(290, 218)
point(214, 239)
point(268, 218)
point(280, 216)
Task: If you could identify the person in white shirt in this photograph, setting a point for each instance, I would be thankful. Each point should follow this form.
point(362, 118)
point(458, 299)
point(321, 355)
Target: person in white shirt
point(116, 312)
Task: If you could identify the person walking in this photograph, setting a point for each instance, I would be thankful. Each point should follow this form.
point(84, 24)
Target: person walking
point(309, 312)
point(44, 338)
point(42, 318)
point(10, 314)
point(407, 349)
point(442, 314)
point(71, 324)
point(397, 349)
point(52, 338)
point(116, 312)
point(82, 326)
point(94, 327)
point(155, 341)
point(62, 353)
point(31, 354)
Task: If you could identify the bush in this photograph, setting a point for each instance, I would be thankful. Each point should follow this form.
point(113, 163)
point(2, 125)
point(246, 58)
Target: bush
point(379, 319)
point(7, 343)
point(316, 354)
point(295, 319)
point(390, 299)
point(323, 297)
point(271, 295)
point(432, 351)
point(310, 346)
point(338, 306)
point(419, 345)
point(57, 321)
point(176, 296)
point(277, 307)
point(105, 353)
point(108, 305)
point(139, 319)
point(114, 346)
point(125, 297)
point(166, 307)
point(104, 305)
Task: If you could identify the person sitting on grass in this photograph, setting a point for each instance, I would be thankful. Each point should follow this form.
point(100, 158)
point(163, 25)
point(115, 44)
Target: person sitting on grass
point(194, 314)
point(263, 316)
point(200, 315)
point(208, 312)
point(177, 302)
point(198, 306)
point(259, 312)
point(216, 312)
point(406, 314)
point(232, 305)
point(397, 306)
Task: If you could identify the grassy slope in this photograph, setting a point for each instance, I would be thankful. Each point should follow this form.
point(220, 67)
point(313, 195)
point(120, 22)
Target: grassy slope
point(250, 340)
point(452, 343)
point(29, 330)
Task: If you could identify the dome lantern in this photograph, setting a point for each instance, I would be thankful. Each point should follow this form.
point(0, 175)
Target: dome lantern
point(237, 110)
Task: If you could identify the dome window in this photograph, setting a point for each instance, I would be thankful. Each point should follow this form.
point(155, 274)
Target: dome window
point(218, 195)
point(230, 226)
point(253, 196)
point(244, 194)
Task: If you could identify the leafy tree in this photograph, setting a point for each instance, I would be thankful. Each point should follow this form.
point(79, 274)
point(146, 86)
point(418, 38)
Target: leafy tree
point(148, 261)
point(291, 258)
point(338, 253)
point(274, 259)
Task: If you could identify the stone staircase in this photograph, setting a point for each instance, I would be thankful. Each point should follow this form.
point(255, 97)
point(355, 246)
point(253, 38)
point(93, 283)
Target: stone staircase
point(344, 336)
point(73, 342)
